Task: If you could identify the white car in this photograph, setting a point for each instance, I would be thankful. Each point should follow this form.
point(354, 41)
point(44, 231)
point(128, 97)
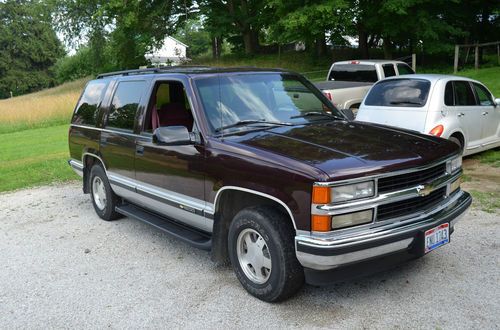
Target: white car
point(455, 108)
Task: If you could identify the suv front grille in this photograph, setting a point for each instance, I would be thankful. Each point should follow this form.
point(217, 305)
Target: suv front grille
point(409, 180)
point(410, 206)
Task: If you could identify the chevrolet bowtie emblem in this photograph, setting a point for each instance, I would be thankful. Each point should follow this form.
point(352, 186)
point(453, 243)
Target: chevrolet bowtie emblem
point(423, 190)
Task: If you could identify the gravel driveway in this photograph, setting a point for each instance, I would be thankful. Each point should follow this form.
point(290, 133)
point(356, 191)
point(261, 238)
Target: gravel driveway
point(63, 267)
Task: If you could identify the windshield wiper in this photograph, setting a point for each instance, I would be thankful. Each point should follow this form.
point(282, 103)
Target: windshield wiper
point(317, 113)
point(406, 102)
point(251, 121)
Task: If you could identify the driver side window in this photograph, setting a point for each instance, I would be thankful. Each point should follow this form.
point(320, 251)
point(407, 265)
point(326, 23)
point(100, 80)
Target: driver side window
point(168, 106)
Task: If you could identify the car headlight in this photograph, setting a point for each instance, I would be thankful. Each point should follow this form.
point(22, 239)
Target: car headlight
point(454, 165)
point(352, 191)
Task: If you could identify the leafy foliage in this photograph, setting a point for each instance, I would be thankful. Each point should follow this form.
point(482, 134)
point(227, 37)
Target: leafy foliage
point(28, 47)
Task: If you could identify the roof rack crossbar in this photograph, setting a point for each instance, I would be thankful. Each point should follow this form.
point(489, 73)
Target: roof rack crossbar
point(146, 70)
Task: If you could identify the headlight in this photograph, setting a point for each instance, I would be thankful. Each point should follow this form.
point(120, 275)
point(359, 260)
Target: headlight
point(352, 191)
point(454, 165)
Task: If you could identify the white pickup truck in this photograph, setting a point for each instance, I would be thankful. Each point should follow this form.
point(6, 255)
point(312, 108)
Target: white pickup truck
point(348, 82)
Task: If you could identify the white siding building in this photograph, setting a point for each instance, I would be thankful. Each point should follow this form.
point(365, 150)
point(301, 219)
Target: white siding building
point(173, 52)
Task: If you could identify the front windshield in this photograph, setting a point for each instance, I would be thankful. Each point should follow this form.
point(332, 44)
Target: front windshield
point(274, 98)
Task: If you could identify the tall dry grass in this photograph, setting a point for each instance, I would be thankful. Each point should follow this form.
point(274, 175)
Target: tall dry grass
point(41, 109)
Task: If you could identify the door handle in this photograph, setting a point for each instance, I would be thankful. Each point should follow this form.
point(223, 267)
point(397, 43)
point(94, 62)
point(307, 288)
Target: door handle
point(461, 114)
point(485, 113)
point(139, 150)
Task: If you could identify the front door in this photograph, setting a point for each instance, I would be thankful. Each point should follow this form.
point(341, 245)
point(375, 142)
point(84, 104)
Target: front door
point(468, 114)
point(490, 114)
point(171, 178)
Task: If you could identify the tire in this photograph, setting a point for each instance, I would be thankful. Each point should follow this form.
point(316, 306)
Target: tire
point(270, 236)
point(104, 200)
point(457, 141)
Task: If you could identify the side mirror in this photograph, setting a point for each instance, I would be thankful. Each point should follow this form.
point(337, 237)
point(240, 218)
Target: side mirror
point(497, 102)
point(348, 113)
point(172, 136)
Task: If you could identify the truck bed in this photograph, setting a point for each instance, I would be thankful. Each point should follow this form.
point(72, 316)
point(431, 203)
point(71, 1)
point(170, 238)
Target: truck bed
point(340, 84)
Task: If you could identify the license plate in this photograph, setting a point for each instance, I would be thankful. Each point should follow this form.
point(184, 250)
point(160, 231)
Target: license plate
point(437, 237)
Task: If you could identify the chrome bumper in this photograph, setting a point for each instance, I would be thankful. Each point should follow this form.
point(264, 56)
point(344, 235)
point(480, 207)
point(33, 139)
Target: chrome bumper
point(328, 252)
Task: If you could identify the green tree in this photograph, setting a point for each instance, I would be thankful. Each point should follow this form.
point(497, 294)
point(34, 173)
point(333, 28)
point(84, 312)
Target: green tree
point(28, 47)
point(130, 28)
point(243, 19)
point(310, 21)
point(194, 35)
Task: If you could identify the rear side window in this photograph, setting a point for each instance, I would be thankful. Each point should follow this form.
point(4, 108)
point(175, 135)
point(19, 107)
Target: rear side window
point(399, 93)
point(389, 70)
point(87, 108)
point(448, 94)
point(404, 69)
point(125, 103)
point(483, 95)
point(354, 72)
point(463, 93)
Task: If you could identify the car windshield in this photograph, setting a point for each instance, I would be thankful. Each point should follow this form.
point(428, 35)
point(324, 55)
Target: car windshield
point(235, 102)
point(399, 93)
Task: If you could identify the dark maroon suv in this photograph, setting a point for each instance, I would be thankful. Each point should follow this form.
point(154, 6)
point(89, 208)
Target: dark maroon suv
point(261, 169)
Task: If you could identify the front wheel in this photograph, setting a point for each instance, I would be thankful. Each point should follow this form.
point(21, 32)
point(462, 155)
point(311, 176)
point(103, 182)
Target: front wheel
point(262, 253)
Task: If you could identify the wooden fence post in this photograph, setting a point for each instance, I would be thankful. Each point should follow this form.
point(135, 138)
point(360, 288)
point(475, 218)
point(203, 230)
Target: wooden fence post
point(476, 58)
point(414, 62)
point(455, 63)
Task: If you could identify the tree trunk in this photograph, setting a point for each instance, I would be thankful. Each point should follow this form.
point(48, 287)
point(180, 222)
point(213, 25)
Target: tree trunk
point(216, 47)
point(320, 44)
point(363, 42)
point(251, 41)
point(387, 48)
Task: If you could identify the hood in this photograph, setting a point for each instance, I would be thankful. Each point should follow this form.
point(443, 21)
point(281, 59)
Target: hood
point(349, 149)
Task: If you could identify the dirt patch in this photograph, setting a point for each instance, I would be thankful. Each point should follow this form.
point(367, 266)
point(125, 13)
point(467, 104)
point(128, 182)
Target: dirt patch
point(483, 182)
point(480, 177)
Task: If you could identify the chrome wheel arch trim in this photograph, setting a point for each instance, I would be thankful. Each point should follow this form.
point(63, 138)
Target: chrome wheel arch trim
point(255, 192)
point(85, 154)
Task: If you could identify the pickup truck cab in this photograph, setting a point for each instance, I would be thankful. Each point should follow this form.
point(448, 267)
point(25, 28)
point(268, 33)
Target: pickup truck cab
point(451, 107)
point(258, 167)
point(347, 82)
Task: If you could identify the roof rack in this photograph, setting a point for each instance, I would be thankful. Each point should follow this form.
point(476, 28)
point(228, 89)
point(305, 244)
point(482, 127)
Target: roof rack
point(148, 70)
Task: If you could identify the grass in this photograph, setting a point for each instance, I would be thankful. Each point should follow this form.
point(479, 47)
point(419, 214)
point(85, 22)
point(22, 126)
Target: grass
point(42, 109)
point(490, 157)
point(487, 201)
point(34, 157)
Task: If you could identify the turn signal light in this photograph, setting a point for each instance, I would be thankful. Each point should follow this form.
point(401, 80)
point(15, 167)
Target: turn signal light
point(437, 131)
point(321, 195)
point(321, 222)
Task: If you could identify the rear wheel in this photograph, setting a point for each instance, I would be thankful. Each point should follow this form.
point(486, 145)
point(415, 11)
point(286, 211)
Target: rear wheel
point(262, 253)
point(103, 198)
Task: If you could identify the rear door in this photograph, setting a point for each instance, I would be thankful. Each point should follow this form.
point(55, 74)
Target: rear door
point(489, 112)
point(468, 113)
point(117, 142)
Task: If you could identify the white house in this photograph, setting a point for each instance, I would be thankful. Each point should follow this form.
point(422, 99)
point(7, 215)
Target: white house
point(172, 52)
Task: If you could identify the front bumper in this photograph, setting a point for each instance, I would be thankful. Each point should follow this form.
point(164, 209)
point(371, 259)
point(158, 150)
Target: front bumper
point(324, 252)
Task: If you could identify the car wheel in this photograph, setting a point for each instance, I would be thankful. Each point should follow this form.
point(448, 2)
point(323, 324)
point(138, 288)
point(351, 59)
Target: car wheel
point(262, 253)
point(457, 141)
point(103, 198)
